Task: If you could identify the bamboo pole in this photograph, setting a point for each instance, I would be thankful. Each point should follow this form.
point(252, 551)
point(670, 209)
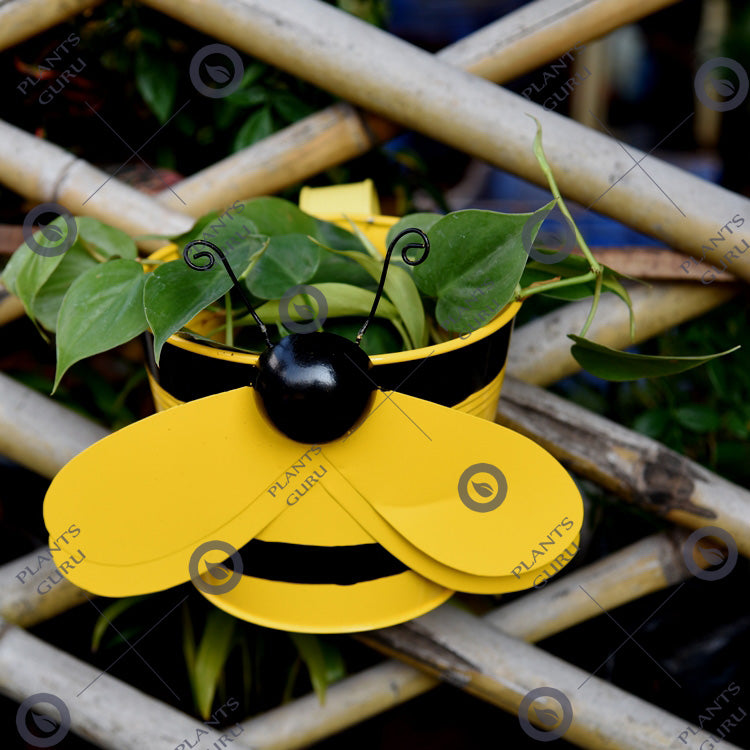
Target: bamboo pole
point(369, 67)
point(39, 433)
point(540, 350)
point(514, 44)
point(109, 713)
point(32, 590)
point(463, 650)
point(22, 19)
point(642, 568)
point(636, 468)
point(649, 565)
point(41, 171)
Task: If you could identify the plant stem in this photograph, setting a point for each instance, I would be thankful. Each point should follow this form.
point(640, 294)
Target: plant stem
point(596, 267)
point(90, 250)
point(594, 304)
point(572, 281)
point(229, 334)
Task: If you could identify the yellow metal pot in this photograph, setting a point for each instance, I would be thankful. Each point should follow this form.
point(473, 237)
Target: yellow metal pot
point(333, 576)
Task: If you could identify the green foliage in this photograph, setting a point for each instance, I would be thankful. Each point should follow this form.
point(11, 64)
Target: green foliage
point(476, 266)
point(610, 364)
point(103, 308)
point(324, 663)
point(206, 660)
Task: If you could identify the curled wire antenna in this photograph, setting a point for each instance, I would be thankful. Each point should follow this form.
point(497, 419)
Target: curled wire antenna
point(235, 282)
point(423, 245)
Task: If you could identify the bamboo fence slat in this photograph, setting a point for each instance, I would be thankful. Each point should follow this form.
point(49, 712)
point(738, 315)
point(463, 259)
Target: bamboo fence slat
point(633, 466)
point(514, 44)
point(42, 171)
point(369, 67)
point(110, 713)
point(22, 19)
point(463, 650)
point(37, 432)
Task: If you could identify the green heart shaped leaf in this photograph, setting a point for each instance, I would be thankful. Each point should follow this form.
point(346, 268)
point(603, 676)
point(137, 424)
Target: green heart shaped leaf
point(274, 216)
point(175, 293)
point(27, 271)
point(612, 364)
point(401, 291)
point(48, 299)
point(290, 259)
point(104, 239)
point(475, 263)
point(420, 220)
point(102, 309)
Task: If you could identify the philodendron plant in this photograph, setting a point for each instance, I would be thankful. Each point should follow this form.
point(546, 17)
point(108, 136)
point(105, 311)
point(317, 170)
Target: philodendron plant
point(100, 294)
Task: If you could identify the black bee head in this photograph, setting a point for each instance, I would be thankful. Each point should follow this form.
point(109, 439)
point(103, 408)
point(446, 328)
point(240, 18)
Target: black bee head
point(314, 387)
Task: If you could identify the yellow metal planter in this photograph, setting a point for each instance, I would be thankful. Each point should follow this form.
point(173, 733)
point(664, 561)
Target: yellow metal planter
point(392, 522)
point(465, 374)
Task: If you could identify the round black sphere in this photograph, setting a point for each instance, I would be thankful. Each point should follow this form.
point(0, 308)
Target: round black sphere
point(313, 386)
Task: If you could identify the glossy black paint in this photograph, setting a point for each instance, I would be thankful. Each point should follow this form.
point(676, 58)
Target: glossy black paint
point(314, 387)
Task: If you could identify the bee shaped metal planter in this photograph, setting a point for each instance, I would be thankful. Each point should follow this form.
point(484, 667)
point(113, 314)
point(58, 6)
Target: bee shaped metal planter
point(342, 507)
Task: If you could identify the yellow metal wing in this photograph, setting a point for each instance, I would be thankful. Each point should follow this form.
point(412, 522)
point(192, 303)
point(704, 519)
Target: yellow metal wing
point(147, 496)
point(477, 499)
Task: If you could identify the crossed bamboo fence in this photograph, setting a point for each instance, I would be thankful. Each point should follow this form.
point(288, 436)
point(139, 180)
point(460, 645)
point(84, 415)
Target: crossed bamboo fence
point(40, 434)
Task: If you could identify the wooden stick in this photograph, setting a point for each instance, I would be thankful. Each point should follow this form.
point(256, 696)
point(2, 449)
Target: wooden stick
point(103, 710)
point(22, 19)
point(540, 350)
point(514, 44)
point(465, 651)
point(369, 67)
point(642, 568)
point(32, 590)
point(37, 432)
point(638, 469)
point(41, 171)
